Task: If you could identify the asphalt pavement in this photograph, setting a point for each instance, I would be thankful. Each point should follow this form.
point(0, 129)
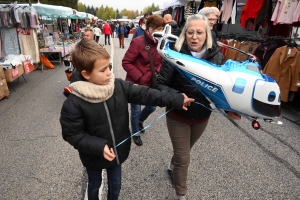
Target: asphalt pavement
point(230, 161)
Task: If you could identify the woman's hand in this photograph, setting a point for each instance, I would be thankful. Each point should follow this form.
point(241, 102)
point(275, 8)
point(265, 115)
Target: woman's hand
point(108, 154)
point(234, 116)
point(186, 101)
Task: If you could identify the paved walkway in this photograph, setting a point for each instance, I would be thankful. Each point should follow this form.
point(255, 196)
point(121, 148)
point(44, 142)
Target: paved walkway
point(230, 161)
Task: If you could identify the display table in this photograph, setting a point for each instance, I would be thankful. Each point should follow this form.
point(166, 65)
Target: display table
point(62, 51)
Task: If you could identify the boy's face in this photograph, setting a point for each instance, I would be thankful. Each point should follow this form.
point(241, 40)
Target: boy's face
point(100, 74)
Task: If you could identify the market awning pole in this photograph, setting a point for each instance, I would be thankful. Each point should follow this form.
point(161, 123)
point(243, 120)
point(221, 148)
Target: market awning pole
point(62, 39)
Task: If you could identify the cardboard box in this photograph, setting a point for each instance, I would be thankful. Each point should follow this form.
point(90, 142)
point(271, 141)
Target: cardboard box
point(8, 73)
point(2, 76)
point(4, 92)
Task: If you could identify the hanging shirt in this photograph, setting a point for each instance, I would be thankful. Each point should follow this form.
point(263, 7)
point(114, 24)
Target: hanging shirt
point(284, 10)
point(296, 15)
point(226, 10)
point(251, 10)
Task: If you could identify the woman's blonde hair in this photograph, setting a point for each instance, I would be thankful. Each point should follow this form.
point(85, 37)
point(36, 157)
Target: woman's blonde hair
point(182, 37)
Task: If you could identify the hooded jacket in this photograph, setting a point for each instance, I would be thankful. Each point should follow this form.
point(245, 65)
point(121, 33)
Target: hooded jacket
point(169, 79)
point(93, 117)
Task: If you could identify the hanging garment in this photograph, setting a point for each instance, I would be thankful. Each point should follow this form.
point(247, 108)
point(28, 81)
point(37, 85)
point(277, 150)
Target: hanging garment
point(10, 43)
point(284, 10)
point(248, 47)
point(284, 67)
point(296, 15)
point(231, 53)
point(251, 10)
point(264, 53)
point(283, 30)
point(234, 11)
point(264, 12)
point(0, 46)
point(29, 43)
point(190, 9)
point(226, 11)
point(209, 3)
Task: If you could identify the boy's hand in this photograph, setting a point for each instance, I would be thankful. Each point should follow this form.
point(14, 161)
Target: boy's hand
point(186, 101)
point(234, 116)
point(108, 153)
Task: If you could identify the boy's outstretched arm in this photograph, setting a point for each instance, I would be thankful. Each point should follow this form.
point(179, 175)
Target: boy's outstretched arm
point(144, 95)
point(186, 102)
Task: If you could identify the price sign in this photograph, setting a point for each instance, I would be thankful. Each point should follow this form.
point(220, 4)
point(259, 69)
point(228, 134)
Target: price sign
point(28, 66)
point(14, 72)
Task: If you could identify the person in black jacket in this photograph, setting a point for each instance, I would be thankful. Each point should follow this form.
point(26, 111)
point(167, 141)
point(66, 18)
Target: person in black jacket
point(95, 119)
point(186, 127)
point(175, 29)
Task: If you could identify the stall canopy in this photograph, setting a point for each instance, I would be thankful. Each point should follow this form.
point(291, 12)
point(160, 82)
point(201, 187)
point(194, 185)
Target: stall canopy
point(52, 11)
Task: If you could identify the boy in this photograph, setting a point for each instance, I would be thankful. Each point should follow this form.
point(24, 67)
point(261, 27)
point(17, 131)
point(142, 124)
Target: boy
point(95, 117)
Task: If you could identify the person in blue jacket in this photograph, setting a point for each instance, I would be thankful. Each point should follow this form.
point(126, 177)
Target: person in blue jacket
point(140, 30)
point(122, 32)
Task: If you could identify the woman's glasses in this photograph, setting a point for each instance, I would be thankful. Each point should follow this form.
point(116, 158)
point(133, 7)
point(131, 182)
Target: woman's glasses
point(192, 33)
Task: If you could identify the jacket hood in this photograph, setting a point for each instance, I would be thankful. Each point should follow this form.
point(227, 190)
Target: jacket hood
point(173, 24)
point(91, 92)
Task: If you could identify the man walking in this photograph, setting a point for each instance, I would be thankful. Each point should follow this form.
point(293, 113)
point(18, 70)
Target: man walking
point(121, 32)
point(107, 31)
point(97, 33)
point(112, 26)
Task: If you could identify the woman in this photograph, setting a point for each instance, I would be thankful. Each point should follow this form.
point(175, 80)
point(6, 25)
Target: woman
point(136, 63)
point(186, 127)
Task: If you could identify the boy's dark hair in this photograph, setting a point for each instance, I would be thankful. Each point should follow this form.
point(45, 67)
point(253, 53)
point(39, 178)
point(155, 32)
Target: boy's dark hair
point(155, 21)
point(86, 53)
point(148, 14)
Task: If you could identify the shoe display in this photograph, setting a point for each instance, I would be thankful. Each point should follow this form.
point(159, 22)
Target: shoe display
point(141, 127)
point(170, 172)
point(137, 140)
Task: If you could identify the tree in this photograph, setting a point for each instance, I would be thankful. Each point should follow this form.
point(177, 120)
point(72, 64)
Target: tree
point(151, 8)
point(100, 12)
point(80, 7)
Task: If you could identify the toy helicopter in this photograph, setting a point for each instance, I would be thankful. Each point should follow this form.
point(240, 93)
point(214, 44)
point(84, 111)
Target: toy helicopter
point(240, 87)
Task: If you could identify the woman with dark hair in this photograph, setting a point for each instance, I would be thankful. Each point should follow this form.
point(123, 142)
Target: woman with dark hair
point(140, 70)
point(186, 127)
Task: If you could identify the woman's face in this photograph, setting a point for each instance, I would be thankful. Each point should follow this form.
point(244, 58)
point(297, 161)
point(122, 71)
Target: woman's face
point(196, 34)
point(212, 19)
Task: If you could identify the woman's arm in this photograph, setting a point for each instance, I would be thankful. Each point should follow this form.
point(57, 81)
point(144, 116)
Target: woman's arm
point(164, 79)
point(131, 55)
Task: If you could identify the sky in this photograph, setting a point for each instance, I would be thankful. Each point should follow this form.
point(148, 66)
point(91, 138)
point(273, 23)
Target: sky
point(125, 4)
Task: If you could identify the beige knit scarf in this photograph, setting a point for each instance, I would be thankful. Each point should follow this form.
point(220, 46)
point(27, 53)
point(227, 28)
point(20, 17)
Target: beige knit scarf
point(92, 92)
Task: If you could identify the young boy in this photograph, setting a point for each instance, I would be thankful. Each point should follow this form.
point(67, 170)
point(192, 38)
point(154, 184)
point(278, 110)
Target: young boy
point(94, 118)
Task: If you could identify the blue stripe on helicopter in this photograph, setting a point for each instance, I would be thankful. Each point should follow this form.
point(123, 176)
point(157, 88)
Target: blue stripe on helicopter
point(208, 89)
point(228, 66)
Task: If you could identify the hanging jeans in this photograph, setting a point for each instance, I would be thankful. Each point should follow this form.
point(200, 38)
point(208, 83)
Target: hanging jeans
point(113, 182)
point(138, 115)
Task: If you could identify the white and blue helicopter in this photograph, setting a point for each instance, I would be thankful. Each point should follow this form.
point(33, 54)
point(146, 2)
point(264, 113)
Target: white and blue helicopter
point(240, 87)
